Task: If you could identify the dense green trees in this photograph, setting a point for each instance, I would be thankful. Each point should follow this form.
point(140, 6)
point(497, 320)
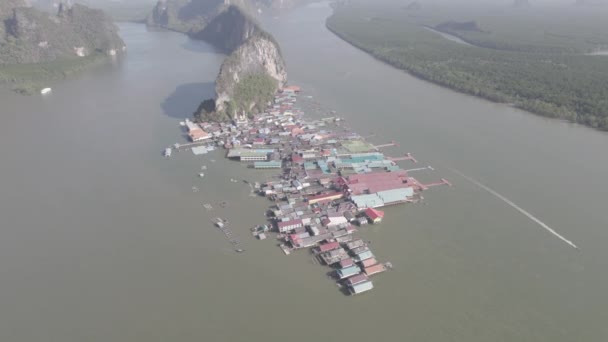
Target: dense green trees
point(561, 84)
point(254, 89)
point(251, 95)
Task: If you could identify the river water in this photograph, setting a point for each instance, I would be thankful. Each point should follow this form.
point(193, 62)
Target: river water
point(103, 239)
point(449, 37)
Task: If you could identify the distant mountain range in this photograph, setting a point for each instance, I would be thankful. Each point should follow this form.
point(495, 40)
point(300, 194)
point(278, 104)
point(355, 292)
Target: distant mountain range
point(592, 3)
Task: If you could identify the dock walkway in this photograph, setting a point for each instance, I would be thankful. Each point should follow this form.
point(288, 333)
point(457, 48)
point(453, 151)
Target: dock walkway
point(223, 226)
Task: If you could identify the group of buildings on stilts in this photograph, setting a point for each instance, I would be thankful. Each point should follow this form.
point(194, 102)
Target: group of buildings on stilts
point(330, 182)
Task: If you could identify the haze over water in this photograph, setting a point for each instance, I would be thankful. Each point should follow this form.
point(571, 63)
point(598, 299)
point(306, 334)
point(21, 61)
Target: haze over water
point(103, 239)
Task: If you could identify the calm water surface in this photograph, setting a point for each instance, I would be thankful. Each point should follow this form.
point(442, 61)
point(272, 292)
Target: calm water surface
point(103, 239)
point(448, 36)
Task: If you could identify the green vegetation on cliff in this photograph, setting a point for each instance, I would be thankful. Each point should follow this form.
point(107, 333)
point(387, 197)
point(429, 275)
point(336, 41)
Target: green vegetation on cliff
point(253, 70)
point(551, 77)
point(257, 89)
point(251, 95)
point(37, 46)
point(40, 72)
point(35, 36)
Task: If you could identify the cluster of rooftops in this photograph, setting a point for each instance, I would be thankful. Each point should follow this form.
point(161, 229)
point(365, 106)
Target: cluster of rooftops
point(331, 181)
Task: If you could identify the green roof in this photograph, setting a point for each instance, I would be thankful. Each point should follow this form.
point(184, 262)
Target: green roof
point(267, 164)
point(357, 146)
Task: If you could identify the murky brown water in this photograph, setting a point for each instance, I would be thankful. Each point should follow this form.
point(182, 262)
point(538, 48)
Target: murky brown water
point(103, 239)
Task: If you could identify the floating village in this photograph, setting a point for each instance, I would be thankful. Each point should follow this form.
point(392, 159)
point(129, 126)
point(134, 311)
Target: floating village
point(330, 182)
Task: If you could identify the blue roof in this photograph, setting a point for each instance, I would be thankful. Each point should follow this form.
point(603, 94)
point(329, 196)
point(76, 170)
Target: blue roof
point(309, 166)
point(261, 150)
point(349, 271)
point(273, 164)
point(323, 166)
point(396, 195)
point(364, 256)
point(363, 157)
point(367, 201)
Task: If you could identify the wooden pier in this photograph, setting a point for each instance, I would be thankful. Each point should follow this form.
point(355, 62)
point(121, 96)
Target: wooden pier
point(222, 225)
point(180, 147)
point(408, 156)
point(392, 143)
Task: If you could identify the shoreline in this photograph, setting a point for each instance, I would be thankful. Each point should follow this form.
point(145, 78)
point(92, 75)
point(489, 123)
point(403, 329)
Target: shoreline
point(29, 79)
point(525, 107)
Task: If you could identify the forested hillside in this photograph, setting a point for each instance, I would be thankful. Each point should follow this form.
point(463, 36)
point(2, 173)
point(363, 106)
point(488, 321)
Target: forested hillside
point(550, 76)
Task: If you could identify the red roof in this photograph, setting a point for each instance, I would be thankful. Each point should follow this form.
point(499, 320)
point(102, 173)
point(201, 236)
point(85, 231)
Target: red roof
point(356, 279)
point(369, 262)
point(375, 182)
point(374, 269)
point(297, 131)
point(296, 158)
point(197, 134)
point(346, 262)
point(289, 223)
point(328, 246)
point(323, 197)
point(374, 214)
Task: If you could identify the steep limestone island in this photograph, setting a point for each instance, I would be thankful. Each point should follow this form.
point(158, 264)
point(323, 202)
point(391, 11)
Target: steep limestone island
point(37, 46)
point(414, 6)
point(254, 69)
point(247, 81)
point(191, 16)
point(229, 29)
point(187, 16)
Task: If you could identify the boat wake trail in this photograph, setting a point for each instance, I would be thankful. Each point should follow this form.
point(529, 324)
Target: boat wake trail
point(516, 207)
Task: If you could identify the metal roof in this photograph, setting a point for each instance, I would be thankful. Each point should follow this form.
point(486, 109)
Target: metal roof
point(362, 287)
point(237, 152)
point(356, 279)
point(267, 164)
point(396, 195)
point(348, 271)
point(367, 201)
point(374, 269)
point(364, 255)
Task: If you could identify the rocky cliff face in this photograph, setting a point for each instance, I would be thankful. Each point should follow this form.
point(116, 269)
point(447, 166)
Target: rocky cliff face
point(259, 55)
point(414, 6)
point(189, 16)
point(254, 68)
point(229, 29)
point(33, 36)
point(192, 16)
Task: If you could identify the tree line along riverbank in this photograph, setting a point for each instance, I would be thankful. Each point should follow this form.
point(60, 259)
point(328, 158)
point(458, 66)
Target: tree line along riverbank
point(554, 80)
point(28, 79)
